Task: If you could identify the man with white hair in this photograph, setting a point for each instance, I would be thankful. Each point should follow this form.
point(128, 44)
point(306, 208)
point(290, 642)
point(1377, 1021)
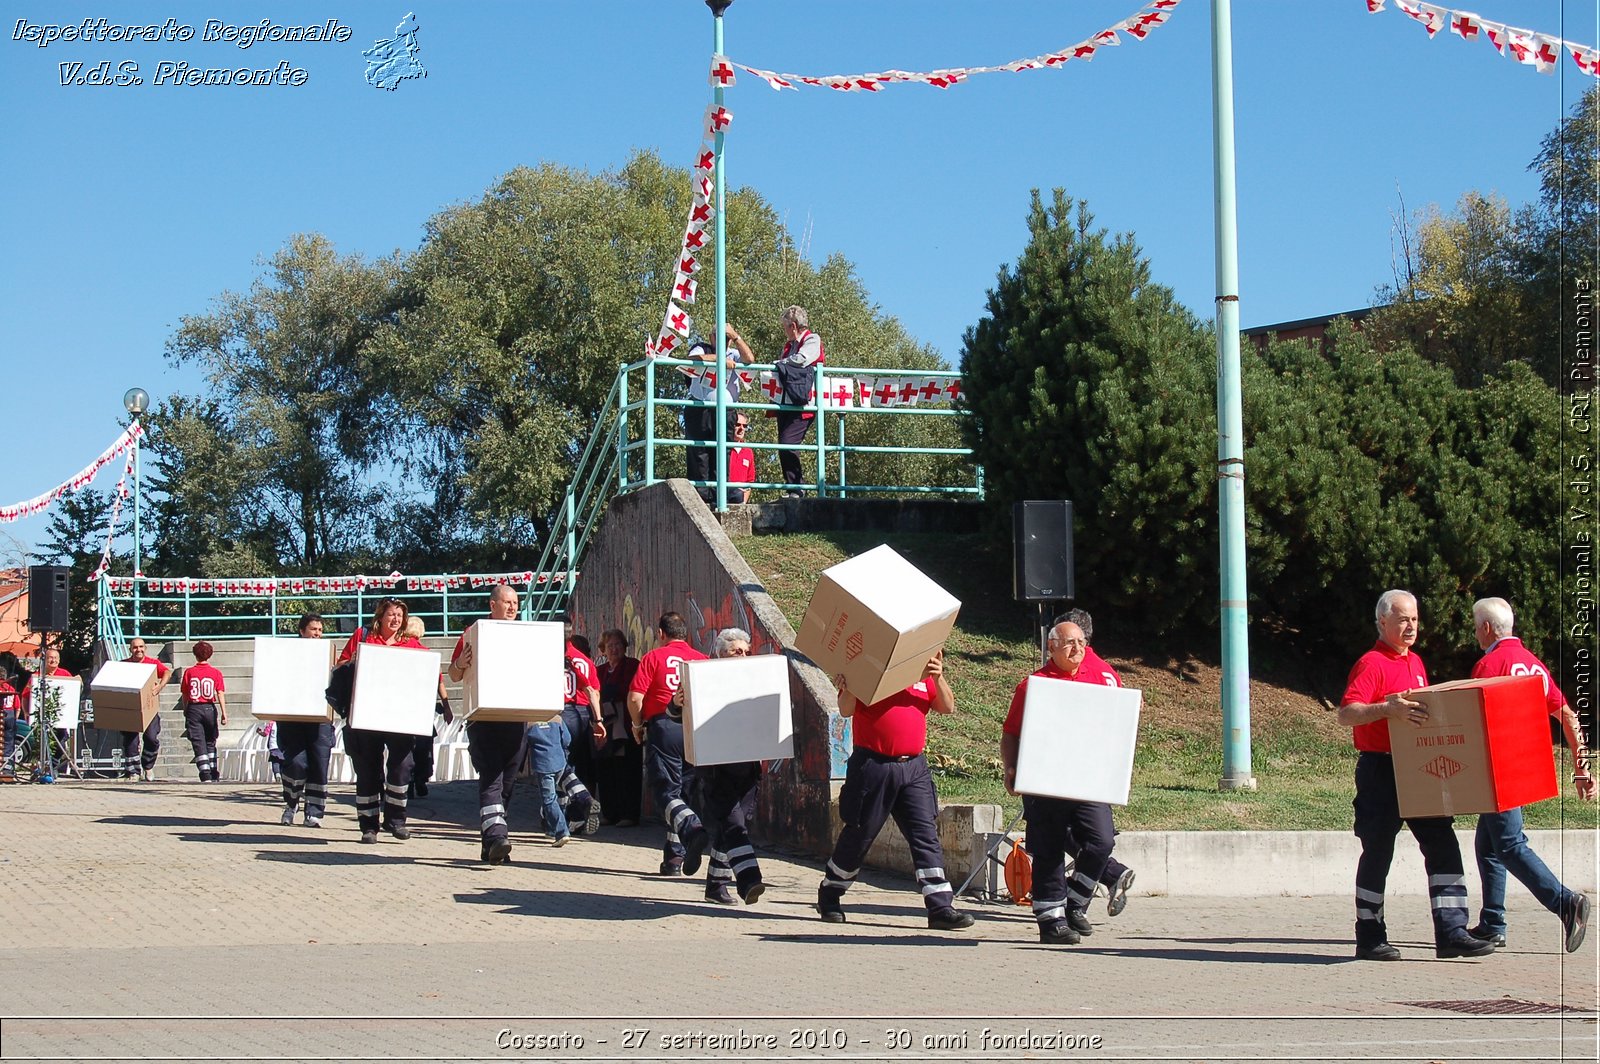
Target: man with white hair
point(1501, 844)
point(1374, 695)
point(797, 376)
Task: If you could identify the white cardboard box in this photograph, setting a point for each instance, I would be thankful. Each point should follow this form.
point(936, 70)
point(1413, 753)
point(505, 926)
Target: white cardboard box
point(396, 689)
point(71, 690)
point(125, 697)
point(877, 619)
point(737, 710)
point(1077, 740)
point(289, 679)
point(518, 671)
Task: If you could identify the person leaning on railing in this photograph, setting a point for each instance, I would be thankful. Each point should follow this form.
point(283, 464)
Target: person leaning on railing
point(796, 370)
point(700, 422)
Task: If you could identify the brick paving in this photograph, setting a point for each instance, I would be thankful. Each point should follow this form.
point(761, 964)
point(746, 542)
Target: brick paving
point(179, 921)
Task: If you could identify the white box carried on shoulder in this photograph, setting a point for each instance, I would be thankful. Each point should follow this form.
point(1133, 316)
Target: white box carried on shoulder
point(877, 619)
point(518, 671)
point(396, 689)
point(1077, 740)
point(70, 689)
point(289, 679)
point(736, 710)
point(124, 694)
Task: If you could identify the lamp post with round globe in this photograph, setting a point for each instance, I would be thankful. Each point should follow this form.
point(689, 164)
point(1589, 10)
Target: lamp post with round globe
point(136, 401)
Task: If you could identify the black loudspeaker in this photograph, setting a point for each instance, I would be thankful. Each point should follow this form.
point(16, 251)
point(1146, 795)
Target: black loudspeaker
point(47, 597)
point(1042, 554)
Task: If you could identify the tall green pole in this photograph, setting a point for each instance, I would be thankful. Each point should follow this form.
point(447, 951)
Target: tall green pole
point(1236, 774)
point(136, 401)
point(717, 8)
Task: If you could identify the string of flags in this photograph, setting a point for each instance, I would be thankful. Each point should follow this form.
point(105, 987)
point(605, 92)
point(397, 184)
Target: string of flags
point(116, 512)
point(841, 392)
point(265, 586)
point(1137, 26)
point(1528, 47)
point(77, 482)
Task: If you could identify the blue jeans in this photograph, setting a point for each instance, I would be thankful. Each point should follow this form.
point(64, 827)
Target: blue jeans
point(1502, 847)
point(555, 823)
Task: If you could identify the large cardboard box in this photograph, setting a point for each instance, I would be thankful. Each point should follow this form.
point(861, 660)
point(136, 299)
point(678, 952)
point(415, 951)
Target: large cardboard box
point(518, 671)
point(70, 689)
point(1485, 748)
point(736, 710)
point(1077, 740)
point(877, 619)
point(396, 689)
point(289, 679)
point(124, 694)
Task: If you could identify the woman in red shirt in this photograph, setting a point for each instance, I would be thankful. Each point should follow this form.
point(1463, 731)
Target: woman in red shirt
point(382, 760)
point(205, 709)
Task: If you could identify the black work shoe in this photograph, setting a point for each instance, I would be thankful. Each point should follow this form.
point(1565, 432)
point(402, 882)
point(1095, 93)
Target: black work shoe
point(1575, 918)
point(1080, 921)
point(497, 851)
point(830, 909)
point(753, 895)
point(694, 850)
point(591, 823)
point(1117, 896)
point(399, 830)
point(369, 838)
point(1461, 944)
point(422, 789)
point(672, 868)
point(1058, 933)
point(949, 920)
point(720, 895)
point(1481, 932)
point(1382, 951)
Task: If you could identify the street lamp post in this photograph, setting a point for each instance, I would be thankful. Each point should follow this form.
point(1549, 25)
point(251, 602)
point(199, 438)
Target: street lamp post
point(136, 401)
point(721, 340)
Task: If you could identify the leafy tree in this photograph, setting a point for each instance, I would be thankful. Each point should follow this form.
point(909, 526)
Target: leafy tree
point(291, 397)
point(76, 536)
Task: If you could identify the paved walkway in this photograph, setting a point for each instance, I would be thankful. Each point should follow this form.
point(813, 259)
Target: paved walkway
point(184, 922)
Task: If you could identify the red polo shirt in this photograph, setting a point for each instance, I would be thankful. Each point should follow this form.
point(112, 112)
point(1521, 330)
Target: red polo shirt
point(361, 635)
point(161, 666)
point(741, 465)
point(898, 725)
point(1095, 671)
point(1377, 674)
point(201, 683)
point(581, 677)
point(660, 673)
point(1508, 657)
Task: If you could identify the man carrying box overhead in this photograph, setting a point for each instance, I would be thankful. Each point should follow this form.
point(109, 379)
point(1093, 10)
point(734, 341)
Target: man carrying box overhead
point(1500, 844)
point(1374, 695)
point(887, 775)
point(495, 746)
point(654, 685)
point(1060, 906)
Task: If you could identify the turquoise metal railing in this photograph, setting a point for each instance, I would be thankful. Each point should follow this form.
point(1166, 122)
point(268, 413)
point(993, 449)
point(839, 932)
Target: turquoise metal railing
point(621, 455)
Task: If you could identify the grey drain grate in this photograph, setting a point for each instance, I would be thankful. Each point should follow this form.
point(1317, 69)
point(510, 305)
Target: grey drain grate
point(1495, 1007)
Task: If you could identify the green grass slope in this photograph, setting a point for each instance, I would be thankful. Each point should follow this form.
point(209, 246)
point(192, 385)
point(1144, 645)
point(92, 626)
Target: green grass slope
point(1301, 757)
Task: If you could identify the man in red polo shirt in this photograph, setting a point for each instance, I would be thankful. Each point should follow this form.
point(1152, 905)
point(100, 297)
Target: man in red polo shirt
point(1500, 843)
point(741, 460)
point(63, 736)
point(887, 775)
point(495, 746)
point(1061, 907)
point(655, 683)
point(1375, 695)
point(152, 733)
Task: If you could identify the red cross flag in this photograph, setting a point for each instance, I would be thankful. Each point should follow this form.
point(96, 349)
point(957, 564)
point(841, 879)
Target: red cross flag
point(840, 392)
point(932, 390)
point(1085, 51)
point(943, 79)
point(701, 212)
point(706, 160)
point(718, 119)
point(721, 72)
point(689, 265)
point(1521, 46)
point(694, 238)
point(704, 189)
point(678, 320)
point(666, 343)
point(1588, 61)
point(952, 389)
point(1375, 6)
point(910, 391)
point(1496, 34)
point(1108, 37)
point(1546, 53)
point(770, 386)
point(886, 392)
point(1464, 25)
point(1024, 64)
point(684, 287)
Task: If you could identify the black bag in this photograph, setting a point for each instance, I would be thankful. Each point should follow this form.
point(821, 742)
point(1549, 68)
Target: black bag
point(796, 383)
point(341, 688)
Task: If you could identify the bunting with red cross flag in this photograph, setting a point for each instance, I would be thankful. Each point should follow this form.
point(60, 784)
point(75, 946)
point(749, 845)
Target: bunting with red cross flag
point(1542, 51)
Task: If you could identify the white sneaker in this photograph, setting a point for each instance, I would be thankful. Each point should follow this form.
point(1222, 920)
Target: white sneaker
point(288, 817)
point(148, 774)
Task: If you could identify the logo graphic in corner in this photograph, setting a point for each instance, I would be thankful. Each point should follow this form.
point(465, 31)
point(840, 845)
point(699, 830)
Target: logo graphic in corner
point(1442, 767)
point(393, 61)
point(853, 647)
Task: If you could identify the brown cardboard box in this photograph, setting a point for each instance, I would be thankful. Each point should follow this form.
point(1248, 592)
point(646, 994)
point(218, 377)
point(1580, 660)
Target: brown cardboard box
point(877, 619)
point(1485, 748)
point(124, 695)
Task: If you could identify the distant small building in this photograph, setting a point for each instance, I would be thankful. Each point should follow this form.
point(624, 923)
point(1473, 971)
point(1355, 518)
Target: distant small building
point(15, 635)
point(1315, 329)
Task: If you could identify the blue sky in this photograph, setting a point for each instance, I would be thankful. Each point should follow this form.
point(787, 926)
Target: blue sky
point(129, 207)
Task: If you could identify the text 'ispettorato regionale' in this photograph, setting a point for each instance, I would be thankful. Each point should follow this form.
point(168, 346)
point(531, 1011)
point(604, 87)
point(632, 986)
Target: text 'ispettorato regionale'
point(178, 71)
